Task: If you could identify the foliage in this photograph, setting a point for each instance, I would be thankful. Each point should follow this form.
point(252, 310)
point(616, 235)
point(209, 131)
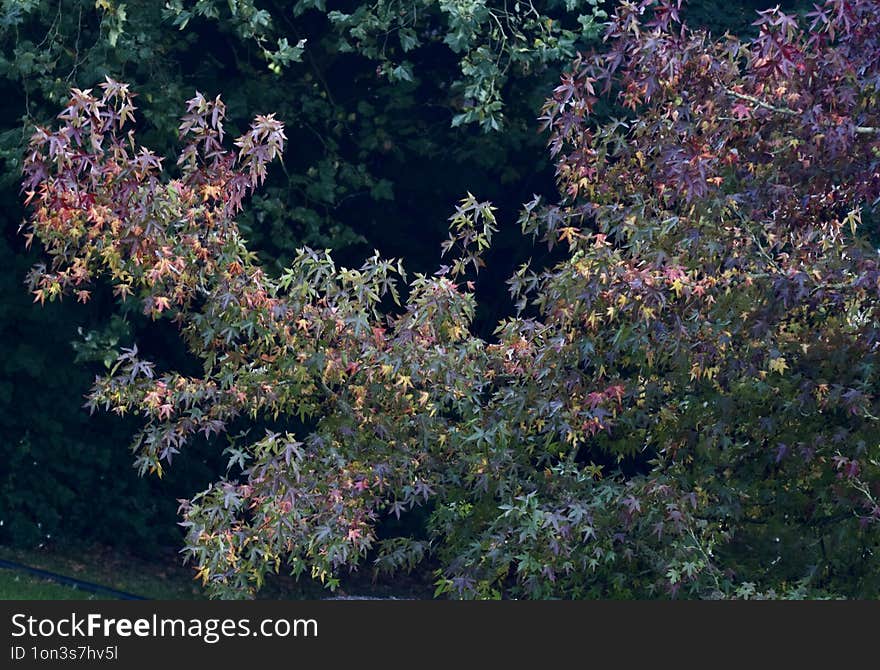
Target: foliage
point(65, 476)
point(734, 17)
point(489, 39)
point(685, 405)
point(726, 277)
point(374, 159)
point(365, 111)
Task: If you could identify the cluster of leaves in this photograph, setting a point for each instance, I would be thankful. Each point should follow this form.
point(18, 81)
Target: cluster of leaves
point(376, 160)
point(725, 273)
point(64, 476)
point(360, 133)
point(489, 39)
point(686, 404)
point(249, 23)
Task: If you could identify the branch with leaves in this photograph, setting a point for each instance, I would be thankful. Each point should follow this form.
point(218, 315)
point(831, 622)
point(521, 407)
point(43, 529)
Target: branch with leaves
point(685, 396)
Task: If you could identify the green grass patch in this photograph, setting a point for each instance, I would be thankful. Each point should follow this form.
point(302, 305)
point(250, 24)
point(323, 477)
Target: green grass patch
point(154, 579)
point(167, 578)
point(15, 585)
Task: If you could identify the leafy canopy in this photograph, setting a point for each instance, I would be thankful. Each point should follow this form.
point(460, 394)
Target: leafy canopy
point(686, 403)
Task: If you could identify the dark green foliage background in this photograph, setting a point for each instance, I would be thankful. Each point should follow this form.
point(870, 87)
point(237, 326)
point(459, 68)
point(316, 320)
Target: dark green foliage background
point(374, 161)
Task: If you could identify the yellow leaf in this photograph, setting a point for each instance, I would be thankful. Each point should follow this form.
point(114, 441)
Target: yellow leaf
point(677, 286)
point(778, 365)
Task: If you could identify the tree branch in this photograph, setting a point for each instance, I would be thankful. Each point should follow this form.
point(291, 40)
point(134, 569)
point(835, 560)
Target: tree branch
point(859, 130)
point(761, 103)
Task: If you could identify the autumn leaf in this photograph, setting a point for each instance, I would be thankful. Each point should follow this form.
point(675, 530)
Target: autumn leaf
point(778, 364)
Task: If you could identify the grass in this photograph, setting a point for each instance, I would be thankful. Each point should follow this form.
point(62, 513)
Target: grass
point(15, 585)
point(165, 578)
point(154, 579)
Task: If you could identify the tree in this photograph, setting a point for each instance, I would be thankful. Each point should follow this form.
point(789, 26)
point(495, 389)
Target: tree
point(377, 163)
point(686, 403)
point(372, 161)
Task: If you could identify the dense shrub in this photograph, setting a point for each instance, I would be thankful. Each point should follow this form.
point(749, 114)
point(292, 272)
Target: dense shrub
point(686, 403)
point(377, 163)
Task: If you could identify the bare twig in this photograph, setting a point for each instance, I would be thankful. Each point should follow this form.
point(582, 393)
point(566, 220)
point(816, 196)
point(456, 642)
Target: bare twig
point(859, 130)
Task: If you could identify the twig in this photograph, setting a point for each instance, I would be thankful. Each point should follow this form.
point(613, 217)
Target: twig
point(859, 130)
point(761, 103)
